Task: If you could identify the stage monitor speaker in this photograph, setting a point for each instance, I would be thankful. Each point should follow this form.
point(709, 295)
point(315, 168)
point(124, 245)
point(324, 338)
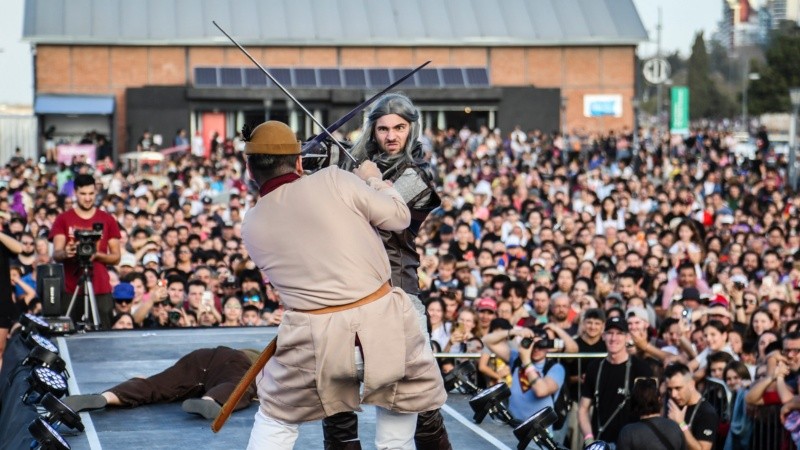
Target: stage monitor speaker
point(50, 288)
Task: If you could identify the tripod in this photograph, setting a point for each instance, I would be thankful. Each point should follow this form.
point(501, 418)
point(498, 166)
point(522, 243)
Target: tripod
point(85, 283)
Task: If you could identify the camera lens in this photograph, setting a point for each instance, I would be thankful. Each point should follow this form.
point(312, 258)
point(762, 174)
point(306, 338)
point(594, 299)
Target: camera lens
point(526, 343)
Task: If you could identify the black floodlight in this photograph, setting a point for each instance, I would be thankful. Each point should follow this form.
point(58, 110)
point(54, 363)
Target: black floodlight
point(34, 340)
point(43, 380)
point(33, 324)
point(534, 428)
point(58, 412)
point(597, 445)
point(490, 401)
point(461, 378)
point(46, 436)
point(44, 353)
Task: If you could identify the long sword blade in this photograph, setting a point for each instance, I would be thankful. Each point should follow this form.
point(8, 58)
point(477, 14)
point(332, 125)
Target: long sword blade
point(346, 118)
point(285, 91)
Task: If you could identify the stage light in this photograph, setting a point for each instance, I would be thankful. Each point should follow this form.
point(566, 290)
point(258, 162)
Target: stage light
point(461, 378)
point(58, 412)
point(33, 324)
point(46, 436)
point(490, 401)
point(44, 353)
point(43, 380)
point(535, 428)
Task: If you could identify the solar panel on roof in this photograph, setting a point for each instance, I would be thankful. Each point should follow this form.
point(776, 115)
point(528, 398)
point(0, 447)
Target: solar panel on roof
point(477, 77)
point(427, 78)
point(205, 76)
point(355, 78)
point(254, 77)
point(230, 77)
point(378, 77)
point(330, 78)
point(284, 76)
point(305, 77)
point(400, 73)
point(452, 77)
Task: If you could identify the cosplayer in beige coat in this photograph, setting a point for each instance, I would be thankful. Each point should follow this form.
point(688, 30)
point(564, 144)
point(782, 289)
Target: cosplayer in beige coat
point(314, 239)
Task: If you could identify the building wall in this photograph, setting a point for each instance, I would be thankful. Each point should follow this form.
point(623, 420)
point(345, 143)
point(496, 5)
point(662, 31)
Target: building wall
point(111, 70)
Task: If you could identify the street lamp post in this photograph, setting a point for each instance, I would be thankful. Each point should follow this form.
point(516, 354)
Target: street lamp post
point(794, 96)
point(752, 76)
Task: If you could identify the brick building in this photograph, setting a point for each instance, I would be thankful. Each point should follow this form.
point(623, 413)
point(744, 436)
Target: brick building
point(123, 67)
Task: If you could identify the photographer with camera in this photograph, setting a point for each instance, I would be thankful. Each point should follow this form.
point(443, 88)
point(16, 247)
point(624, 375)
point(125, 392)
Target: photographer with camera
point(86, 237)
point(536, 381)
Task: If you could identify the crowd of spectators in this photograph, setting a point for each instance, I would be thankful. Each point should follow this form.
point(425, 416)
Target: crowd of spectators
point(691, 244)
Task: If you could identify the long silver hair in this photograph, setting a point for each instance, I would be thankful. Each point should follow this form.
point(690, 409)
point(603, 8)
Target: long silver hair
point(365, 146)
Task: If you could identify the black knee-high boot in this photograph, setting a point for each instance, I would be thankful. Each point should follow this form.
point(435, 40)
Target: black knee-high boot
point(340, 431)
point(431, 433)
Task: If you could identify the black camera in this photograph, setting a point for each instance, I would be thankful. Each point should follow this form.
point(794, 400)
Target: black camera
point(174, 317)
point(87, 241)
point(544, 342)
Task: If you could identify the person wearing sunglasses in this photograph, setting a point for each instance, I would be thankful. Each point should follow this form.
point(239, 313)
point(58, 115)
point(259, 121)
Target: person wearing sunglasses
point(123, 298)
point(653, 431)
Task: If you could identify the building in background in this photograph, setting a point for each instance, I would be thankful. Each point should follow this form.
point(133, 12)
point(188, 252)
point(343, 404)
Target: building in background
point(123, 67)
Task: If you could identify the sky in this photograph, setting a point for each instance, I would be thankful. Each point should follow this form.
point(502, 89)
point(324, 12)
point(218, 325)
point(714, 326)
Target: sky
point(16, 83)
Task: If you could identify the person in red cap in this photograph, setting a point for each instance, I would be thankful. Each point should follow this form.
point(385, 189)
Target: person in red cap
point(487, 311)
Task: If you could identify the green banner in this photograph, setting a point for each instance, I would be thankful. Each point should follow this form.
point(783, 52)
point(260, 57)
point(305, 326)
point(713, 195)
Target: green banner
point(679, 110)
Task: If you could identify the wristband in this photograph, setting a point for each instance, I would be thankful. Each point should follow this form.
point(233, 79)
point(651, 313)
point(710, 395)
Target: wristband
point(683, 426)
point(588, 436)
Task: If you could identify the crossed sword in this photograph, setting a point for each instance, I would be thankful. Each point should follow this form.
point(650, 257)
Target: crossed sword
point(269, 351)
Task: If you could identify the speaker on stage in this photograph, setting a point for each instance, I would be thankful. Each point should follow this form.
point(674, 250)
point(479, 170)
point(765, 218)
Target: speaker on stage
point(50, 288)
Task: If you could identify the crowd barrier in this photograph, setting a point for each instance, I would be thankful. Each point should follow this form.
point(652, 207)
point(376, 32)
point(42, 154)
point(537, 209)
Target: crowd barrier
point(768, 432)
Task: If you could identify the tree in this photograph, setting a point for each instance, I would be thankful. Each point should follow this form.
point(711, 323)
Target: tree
point(706, 101)
point(781, 71)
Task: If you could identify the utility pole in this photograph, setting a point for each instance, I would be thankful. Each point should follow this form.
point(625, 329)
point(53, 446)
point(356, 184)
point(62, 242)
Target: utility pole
point(659, 87)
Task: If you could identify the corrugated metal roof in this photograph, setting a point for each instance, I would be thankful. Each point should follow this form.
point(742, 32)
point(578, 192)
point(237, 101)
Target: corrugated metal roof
point(335, 22)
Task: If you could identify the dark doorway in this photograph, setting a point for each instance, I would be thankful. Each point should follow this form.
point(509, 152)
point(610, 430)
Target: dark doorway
point(473, 119)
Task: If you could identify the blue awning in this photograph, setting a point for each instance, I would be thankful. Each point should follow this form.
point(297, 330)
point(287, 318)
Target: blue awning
point(73, 104)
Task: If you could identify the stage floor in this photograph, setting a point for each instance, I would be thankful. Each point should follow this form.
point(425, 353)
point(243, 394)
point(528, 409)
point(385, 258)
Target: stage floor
point(98, 361)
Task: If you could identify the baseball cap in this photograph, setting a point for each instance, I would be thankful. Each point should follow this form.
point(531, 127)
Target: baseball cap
point(617, 323)
point(150, 258)
point(690, 293)
point(127, 260)
point(123, 291)
point(639, 312)
point(485, 303)
point(719, 300)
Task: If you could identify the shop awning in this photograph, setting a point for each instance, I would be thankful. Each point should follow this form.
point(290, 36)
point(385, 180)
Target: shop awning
point(74, 104)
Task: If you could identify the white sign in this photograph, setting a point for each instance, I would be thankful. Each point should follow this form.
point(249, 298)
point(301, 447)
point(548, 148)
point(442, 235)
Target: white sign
point(602, 105)
point(656, 70)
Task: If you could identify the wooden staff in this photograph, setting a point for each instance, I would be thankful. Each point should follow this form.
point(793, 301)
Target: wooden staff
point(244, 383)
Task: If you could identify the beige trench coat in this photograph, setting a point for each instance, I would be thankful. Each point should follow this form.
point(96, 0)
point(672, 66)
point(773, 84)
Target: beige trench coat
point(314, 239)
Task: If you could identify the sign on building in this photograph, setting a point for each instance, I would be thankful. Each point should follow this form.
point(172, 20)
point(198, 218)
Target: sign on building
point(679, 110)
point(605, 105)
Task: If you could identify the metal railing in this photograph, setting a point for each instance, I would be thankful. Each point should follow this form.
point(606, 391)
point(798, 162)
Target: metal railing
point(768, 433)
